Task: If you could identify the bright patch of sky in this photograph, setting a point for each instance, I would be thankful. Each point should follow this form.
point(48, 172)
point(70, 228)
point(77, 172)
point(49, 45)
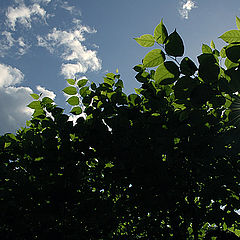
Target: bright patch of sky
point(43, 42)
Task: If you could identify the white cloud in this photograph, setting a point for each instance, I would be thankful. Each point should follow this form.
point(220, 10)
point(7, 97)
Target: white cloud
point(77, 58)
point(186, 7)
point(46, 93)
point(24, 15)
point(13, 110)
point(71, 9)
point(9, 76)
point(14, 100)
point(7, 42)
point(41, 1)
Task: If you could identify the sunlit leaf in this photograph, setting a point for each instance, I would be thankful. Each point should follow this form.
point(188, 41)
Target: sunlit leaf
point(70, 90)
point(74, 100)
point(146, 40)
point(154, 58)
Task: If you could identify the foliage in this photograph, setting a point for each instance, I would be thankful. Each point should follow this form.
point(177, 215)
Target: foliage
point(161, 163)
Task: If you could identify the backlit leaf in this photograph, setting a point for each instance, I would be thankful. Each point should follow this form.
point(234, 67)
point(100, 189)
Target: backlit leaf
point(206, 49)
point(154, 58)
point(238, 22)
point(166, 73)
point(35, 105)
point(74, 100)
point(35, 96)
point(212, 45)
point(160, 33)
point(70, 90)
point(146, 40)
point(231, 36)
point(82, 82)
point(71, 81)
point(76, 110)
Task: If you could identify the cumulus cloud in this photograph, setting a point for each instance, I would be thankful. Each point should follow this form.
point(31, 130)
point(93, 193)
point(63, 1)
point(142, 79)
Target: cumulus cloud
point(186, 7)
point(14, 100)
point(46, 93)
point(77, 58)
point(13, 110)
point(10, 76)
point(24, 15)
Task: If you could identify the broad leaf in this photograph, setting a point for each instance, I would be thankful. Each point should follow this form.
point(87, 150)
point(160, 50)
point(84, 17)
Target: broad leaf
point(82, 82)
point(206, 49)
point(35, 105)
point(233, 53)
point(146, 40)
point(70, 90)
point(166, 73)
point(154, 58)
point(160, 33)
point(35, 96)
point(71, 81)
point(76, 110)
point(188, 67)
point(74, 100)
point(232, 36)
point(174, 45)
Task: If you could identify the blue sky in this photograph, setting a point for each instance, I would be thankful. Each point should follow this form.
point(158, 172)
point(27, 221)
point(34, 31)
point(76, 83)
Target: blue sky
point(44, 42)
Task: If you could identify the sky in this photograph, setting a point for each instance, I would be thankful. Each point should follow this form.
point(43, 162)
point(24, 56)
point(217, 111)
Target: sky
point(45, 42)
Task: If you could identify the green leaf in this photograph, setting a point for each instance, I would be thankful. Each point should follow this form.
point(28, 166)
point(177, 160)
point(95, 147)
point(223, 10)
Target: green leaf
point(139, 68)
point(209, 72)
point(70, 90)
point(93, 86)
point(187, 67)
point(206, 49)
point(109, 81)
point(119, 83)
point(111, 75)
point(84, 91)
point(74, 100)
point(82, 82)
point(223, 53)
point(134, 99)
point(35, 105)
point(229, 64)
point(35, 96)
point(7, 144)
point(47, 100)
point(233, 53)
point(232, 36)
point(154, 58)
point(160, 33)
point(166, 73)
point(212, 45)
point(174, 45)
point(143, 77)
point(146, 40)
point(71, 81)
point(76, 110)
point(238, 22)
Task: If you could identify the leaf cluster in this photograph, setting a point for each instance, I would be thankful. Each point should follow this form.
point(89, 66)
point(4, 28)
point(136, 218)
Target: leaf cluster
point(160, 163)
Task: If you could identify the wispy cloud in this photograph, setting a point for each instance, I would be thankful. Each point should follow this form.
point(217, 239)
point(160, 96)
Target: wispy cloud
point(7, 41)
point(24, 15)
point(186, 7)
point(77, 58)
point(72, 9)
